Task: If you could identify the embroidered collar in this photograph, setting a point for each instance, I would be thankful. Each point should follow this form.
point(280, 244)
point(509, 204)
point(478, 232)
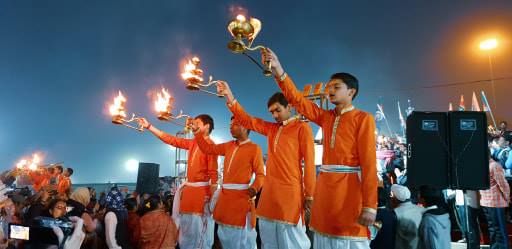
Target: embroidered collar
point(244, 142)
point(346, 109)
point(288, 121)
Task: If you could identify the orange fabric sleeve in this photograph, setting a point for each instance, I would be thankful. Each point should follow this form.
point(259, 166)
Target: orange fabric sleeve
point(210, 148)
point(366, 148)
point(213, 169)
point(257, 168)
point(258, 125)
point(307, 152)
point(182, 143)
point(303, 105)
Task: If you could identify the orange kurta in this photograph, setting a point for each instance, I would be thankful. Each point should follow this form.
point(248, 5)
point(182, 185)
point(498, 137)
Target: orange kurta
point(241, 161)
point(200, 168)
point(282, 197)
point(341, 197)
point(64, 185)
point(37, 180)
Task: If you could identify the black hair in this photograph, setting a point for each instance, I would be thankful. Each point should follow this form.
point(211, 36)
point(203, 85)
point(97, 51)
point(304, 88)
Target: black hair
point(349, 79)
point(151, 203)
point(54, 202)
point(206, 119)
point(70, 171)
point(59, 168)
point(432, 196)
point(503, 122)
point(278, 97)
point(130, 204)
point(248, 131)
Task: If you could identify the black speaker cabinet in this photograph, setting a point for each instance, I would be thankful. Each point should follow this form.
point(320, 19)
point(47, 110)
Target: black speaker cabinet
point(448, 150)
point(147, 178)
point(427, 150)
point(469, 150)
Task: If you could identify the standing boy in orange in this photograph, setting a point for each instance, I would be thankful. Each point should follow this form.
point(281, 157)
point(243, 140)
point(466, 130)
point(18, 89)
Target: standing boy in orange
point(287, 191)
point(190, 208)
point(234, 211)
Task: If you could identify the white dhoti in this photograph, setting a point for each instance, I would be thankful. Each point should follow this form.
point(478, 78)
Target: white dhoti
point(236, 238)
point(324, 242)
point(195, 231)
point(277, 235)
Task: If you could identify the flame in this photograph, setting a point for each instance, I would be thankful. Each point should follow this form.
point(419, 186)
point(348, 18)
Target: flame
point(118, 107)
point(240, 18)
point(35, 161)
point(22, 163)
point(163, 101)
point(190, 70)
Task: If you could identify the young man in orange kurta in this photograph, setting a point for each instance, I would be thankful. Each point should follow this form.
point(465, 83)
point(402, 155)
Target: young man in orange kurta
point(64, 186)
point(190, 209)
point(287, 191)
point(345, 201)
point(234, 210)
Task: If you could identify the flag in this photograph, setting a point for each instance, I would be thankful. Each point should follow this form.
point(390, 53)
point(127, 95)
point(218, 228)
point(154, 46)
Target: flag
point(379, 115)
point(400, 116)
point(485, 103)
point(409, 109)
point(474, 103)
point(402, 120)
point(485, 108)
point(450, 107)
point(462, 106)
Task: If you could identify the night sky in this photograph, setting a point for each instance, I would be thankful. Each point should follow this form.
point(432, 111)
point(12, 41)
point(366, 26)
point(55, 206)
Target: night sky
point(61, 63)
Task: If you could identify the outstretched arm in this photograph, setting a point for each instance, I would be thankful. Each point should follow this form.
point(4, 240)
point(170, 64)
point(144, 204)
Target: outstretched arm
point(303, 105)
point(182, 143)
point(210, 148)
point(256, 124)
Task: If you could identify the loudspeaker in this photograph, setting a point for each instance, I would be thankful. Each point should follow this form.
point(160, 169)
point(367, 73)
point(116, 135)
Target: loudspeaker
point(448, 150)
point(147, 178)
point(427, 150)
point(469, 150)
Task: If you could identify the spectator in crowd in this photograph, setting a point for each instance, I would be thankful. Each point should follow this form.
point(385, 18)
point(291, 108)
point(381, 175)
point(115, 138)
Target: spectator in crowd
point(385, 238)
point(408, 216)
point(494, 201)
point(116, 229)
point(133, 221)
point(500, 150)
point(78, 201)
point(38, 205)
point(157, 228)
point(434, 231)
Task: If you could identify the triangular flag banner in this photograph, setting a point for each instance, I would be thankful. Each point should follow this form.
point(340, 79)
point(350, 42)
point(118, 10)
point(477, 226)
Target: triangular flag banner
point(462, 106)
point(474, 103)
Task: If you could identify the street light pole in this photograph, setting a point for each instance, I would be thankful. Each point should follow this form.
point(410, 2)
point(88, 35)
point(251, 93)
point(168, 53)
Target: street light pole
point(492, 83)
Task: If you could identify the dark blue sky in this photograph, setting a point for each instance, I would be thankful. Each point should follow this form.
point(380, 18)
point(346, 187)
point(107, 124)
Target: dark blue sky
point(62, 61)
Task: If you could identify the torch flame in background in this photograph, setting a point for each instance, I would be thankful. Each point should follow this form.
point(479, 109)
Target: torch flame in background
point(191, 70)
point(240, 18)
point(117, 108)
point(30, 164)
point(22, 163)
point(163, 101)
point(35, 161)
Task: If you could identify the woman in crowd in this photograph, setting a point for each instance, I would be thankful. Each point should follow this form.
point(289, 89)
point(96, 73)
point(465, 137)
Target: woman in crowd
point(157, 229)
point(116, 216)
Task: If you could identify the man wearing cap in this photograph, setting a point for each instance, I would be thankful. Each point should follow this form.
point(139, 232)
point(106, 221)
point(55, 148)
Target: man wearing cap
point(408, 217)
